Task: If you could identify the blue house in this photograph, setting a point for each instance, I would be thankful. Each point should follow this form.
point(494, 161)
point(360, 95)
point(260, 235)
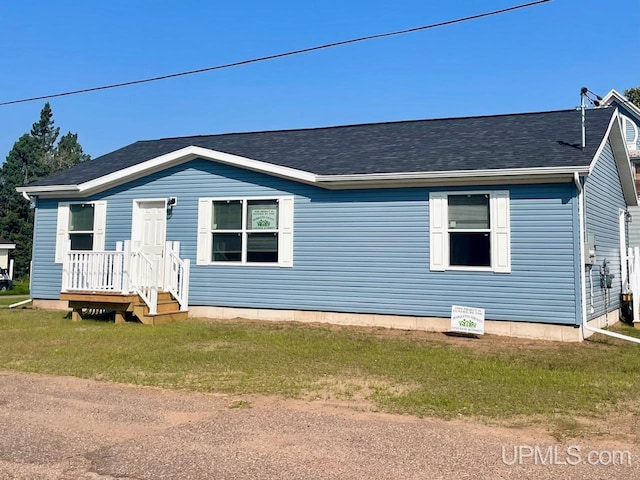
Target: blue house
point(385, 224)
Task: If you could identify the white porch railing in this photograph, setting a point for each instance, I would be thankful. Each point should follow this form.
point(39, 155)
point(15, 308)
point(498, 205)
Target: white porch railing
point(94, 271)
point(144, 280)
point(176, 274)
point(126, 270)
point(633, 263)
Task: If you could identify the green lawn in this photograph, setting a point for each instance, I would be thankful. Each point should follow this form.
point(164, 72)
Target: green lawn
point(490, 377)
point(6, 301)
point(20, 287)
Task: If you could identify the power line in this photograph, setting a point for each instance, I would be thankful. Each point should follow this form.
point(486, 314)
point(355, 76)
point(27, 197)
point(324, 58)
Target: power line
point(278, 55)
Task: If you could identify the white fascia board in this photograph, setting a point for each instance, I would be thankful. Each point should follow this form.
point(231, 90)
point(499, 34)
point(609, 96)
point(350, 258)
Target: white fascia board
point(184, 155)
point(452, 177)
point(616, 96)
point(49, 189)
point(623, 162)
point(621, 157)
point(165, 161)
point(7, 246)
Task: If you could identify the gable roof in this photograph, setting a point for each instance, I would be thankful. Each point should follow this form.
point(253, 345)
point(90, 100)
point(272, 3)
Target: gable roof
point(614, 97)
point(542, 143)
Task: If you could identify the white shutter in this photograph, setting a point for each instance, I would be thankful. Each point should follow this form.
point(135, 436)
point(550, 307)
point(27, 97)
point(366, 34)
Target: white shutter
point(62, 228)
point(438, 244)
point(99, 225)
point(285, 240)
point(501, 231)
point(203, 256)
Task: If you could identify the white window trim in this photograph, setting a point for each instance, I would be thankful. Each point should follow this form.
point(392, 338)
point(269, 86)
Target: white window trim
point(285, 231)
point(500, 228)
point(62, 227)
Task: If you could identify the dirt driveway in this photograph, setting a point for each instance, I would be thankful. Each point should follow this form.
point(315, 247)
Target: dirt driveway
point(68, 428)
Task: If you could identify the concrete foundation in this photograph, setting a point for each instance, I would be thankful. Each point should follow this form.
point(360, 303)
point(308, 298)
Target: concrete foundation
point(538, 331)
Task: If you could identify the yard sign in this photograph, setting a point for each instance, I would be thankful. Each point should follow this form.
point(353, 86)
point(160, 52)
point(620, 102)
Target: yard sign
point(467, 319)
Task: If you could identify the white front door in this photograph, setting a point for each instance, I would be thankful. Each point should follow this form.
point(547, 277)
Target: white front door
point(148, 232)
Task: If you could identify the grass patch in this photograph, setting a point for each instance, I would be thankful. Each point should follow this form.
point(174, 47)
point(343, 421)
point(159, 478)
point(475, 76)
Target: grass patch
point(6, 301)
point(20, 287)
point(433, 375)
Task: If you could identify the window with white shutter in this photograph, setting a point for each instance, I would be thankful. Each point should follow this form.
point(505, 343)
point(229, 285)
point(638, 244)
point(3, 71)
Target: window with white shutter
point(470, 231)
point(80, 226)
point(245, 231)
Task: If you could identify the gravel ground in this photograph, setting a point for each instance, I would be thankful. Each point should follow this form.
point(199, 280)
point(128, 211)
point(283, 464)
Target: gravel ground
point(69, 428)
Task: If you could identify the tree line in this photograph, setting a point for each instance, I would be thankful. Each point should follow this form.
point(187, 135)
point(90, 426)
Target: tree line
point(35, 155)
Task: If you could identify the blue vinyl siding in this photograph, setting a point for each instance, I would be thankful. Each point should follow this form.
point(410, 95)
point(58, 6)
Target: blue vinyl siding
point(361, 251)
point(604, 198)
point(634, 227)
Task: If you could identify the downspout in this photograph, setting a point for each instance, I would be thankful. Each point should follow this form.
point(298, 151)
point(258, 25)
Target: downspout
point(585, 325)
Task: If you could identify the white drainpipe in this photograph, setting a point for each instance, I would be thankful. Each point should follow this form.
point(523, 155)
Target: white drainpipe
point(585, 325)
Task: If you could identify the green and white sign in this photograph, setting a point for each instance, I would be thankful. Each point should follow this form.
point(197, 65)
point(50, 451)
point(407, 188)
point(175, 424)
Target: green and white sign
point(264, 218)
point(467, 319)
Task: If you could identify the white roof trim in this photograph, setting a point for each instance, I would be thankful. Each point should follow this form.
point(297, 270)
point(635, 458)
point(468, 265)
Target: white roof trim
point(616, 96)
point(505, 172)
point(168, 160)
point(7, 246)
point(468, 177)
point(49, 188)
point(621, 156)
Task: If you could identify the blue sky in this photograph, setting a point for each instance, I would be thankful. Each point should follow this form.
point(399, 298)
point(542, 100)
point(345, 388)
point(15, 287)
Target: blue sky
point(527, 60)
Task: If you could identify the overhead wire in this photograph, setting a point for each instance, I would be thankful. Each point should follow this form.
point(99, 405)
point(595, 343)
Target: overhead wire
point(275, 56)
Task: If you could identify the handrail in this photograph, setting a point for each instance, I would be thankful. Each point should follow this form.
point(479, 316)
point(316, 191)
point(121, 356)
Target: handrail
point(143, 280)
point(176, 275)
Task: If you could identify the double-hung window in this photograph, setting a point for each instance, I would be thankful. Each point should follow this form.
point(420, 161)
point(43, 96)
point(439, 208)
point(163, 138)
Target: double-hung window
point(80, 226)
point(81, 222)
point(243, 231)
point(470, 231)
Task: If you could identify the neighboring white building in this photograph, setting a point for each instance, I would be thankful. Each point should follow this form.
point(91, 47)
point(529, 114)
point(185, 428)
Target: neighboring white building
point(5, 246)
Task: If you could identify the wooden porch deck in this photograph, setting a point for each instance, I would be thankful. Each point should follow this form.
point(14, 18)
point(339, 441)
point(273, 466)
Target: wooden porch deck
point(168, 309)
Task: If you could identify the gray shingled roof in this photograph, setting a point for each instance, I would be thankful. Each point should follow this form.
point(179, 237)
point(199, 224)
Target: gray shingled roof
point(544, 139)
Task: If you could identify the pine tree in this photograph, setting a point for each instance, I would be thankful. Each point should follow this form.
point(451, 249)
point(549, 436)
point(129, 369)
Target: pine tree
point(21, 167)
point(34, 156)
point(68, 153)
point(46, 133)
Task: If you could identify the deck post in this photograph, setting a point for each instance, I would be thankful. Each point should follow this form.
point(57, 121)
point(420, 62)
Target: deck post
point(185, 285)
point(76, 315)
point(66, 268)
point(126, 266)
point(168, 277)
point(119, 317)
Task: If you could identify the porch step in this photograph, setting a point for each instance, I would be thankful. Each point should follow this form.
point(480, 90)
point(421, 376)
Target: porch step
point(168, 308)
point(168, 311)
point(160, 318)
